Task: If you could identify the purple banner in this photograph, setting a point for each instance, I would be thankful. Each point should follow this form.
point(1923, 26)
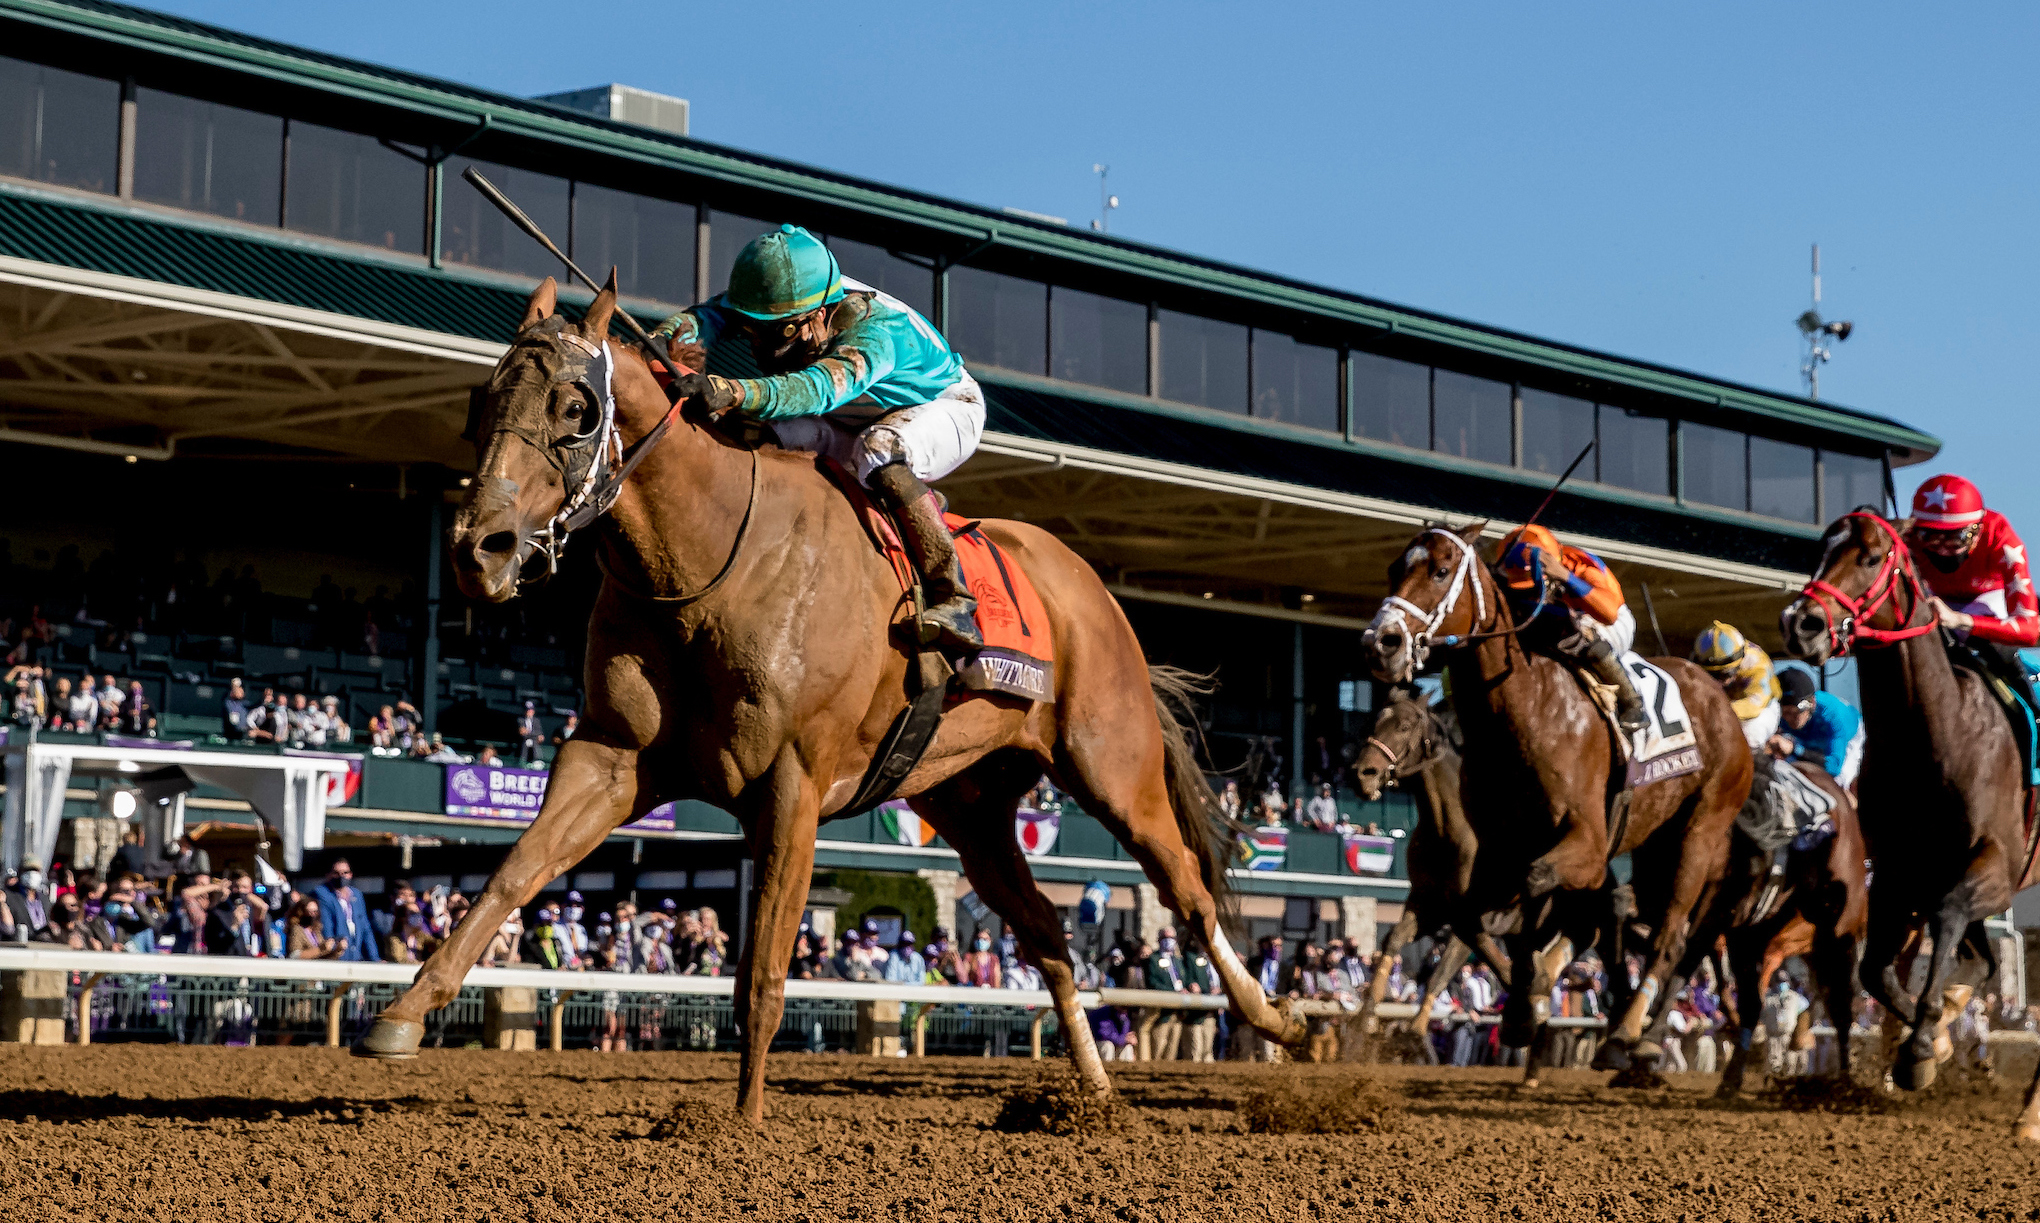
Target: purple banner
point(513, 796)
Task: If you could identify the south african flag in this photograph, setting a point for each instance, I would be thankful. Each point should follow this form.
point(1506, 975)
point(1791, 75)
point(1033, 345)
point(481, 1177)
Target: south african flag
point(1265, 848)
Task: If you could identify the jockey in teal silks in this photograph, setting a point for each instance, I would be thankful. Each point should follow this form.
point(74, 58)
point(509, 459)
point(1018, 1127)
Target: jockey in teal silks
point(854, 374)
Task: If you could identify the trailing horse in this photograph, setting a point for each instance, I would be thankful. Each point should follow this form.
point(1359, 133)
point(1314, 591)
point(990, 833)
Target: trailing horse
point(1410, 746)
point(1819, 912)
point(1541, 783)
point(1943, 802)
point(749, 648)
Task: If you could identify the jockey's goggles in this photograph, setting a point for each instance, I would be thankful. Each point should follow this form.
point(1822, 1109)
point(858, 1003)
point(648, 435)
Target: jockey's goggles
point(777, 335)
point(1947, 543)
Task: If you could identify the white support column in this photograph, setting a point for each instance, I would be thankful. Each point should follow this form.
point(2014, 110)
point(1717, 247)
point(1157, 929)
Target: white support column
point(943, 885)
point(1357, 921)
point(1148, 906)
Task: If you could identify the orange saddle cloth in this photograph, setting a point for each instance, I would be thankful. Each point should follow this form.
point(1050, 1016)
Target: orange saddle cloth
point(1019, 657)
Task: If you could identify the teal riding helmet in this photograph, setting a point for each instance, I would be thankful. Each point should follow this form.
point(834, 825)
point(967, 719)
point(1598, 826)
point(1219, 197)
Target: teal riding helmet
point(784, 273)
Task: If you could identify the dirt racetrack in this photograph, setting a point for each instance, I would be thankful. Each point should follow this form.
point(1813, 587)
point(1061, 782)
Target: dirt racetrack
point(137, 1132)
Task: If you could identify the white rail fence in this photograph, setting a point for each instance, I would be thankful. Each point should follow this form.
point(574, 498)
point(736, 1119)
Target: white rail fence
point(336, 978)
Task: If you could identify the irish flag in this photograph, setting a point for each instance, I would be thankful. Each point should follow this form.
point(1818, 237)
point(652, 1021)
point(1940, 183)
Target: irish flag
point(902, 825)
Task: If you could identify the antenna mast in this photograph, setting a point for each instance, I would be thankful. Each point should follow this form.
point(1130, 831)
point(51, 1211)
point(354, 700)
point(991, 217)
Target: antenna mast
point(1817, 332)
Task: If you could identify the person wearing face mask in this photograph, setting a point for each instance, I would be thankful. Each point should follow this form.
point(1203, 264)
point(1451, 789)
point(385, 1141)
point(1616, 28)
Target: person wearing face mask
point(980, 965)
point(1161, 1031)
point(27, 905)
point(345, 913)
point(579, 948)
point(852, 373)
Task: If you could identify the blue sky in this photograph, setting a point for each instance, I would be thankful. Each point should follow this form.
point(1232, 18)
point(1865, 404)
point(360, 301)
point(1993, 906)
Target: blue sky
point(1632, 178)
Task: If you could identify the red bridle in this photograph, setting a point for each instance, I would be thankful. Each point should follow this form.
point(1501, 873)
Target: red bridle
point(1891, 575)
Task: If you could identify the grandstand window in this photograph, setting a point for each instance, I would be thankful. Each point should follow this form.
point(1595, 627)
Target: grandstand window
point(1391, 400)
point(1634, 451)
point(1714, 466)
point(59, 127)
point(650, 242)
point(728, 234)
point(1849, 480)
point(1555, 429)
point(473, 232)
point(1781, 480)
point(1098, 341)
point(1204, 361)
point(1293, 382)
point(999, 320)
point(208, 157)
point(1473, 418)
point(913, 283)
point(352, 187)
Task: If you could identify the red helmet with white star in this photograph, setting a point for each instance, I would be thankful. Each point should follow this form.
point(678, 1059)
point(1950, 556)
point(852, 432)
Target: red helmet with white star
point(1947, 503)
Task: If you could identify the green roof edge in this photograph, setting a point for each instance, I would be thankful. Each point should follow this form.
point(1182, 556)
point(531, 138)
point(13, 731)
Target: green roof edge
point(511, 115)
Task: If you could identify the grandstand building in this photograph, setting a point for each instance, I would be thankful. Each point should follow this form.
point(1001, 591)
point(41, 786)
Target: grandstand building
point(244, 292)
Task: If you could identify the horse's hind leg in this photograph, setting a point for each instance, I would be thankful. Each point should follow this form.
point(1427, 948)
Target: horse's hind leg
point(782, 842)
point(1398, 937)
point(974, 813)
point(1835, 966)
point(594, 789)
point(1122, 781)
point(1916, 1065)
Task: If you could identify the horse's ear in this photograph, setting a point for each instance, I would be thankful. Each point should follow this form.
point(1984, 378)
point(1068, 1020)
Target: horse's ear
point(1471, 531)
point(543, 300)
point(596, 325)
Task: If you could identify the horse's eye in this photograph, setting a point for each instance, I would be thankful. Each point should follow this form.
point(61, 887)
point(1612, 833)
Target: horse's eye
point(1869, 559)
point(1440, 573)
point(573, 412)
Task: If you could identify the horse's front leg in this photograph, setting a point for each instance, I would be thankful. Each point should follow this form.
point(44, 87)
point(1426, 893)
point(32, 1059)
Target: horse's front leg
point(782, 841)
point(1916, 1064)
point(1579, 862)
point(593, 790)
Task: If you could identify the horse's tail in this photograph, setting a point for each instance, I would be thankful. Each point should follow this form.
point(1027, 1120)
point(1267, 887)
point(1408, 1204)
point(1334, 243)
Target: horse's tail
point(1205, 829)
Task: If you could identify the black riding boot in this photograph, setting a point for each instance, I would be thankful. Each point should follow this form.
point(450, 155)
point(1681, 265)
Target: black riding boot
point(1607, 667)
point(949, 617)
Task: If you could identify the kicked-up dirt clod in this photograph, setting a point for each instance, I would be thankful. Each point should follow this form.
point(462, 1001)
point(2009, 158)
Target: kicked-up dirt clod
point(286, 1134)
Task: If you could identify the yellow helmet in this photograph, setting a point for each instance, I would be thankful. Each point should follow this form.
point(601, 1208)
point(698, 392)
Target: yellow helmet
point(1720, 648)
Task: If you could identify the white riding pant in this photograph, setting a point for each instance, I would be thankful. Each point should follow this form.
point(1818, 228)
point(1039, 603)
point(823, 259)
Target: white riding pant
point(1622, 633)
point(1757, 730)
point(932, 438)
point(1852, 758)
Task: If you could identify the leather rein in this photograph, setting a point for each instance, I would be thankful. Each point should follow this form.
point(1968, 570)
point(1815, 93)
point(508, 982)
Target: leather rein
point(609, 463)
point(1892, 575)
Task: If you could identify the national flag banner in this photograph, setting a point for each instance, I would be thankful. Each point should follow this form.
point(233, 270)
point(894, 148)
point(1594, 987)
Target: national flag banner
point(1265, 848)
point(1036, 830)
point(340, 787)
point(1369, 855)
point(902, 825)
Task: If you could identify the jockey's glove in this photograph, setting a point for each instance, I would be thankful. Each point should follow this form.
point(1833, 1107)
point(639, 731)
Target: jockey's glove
point(717, 394)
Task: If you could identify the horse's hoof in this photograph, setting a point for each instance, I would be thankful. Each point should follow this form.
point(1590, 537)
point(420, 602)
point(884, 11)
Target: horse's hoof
point(391, 1040)
point(1295, 1030)
point(1531, 1084)
point(1728, 1090)
point(1914, 1075)
point(1612, 1055)
point(1944, 1049)
point(1649, 1052)
point(2029, 1132)
point(1543, 878)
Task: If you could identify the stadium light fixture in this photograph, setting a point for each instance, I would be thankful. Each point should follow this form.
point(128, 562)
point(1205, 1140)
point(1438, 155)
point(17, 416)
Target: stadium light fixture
point(1818, 333)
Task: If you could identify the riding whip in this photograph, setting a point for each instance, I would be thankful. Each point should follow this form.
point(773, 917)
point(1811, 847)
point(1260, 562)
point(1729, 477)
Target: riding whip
point(1650, 606)
point(522, 221)
point(1546, 503)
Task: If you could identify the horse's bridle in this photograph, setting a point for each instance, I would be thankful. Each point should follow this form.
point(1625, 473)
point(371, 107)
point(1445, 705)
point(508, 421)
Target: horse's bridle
point(1398, 611)
point(594, 463)
point(1424, 755)
point(1892, 574)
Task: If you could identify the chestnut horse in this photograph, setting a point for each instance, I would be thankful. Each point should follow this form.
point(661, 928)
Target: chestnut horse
point(1542, 768)
point(1819, 913)
point(748, 648)
point(1942, 800)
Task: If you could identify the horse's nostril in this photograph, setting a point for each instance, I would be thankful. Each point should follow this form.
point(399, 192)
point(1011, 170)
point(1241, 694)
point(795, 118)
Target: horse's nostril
point(498, 543)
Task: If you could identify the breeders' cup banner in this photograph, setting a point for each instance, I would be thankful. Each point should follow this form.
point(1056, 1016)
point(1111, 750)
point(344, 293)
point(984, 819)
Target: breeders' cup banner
point(513, 796)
